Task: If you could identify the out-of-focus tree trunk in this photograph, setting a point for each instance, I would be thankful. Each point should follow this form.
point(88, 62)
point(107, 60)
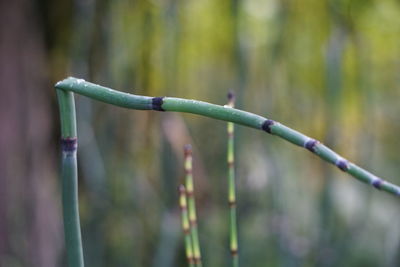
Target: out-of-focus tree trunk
point(30, 226)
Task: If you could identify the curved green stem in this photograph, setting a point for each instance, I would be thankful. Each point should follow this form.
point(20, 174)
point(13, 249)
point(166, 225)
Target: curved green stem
point(248, 119)
point(69, 176)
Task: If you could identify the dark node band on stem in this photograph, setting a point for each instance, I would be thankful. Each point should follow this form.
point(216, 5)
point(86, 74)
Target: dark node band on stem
point(266, 126)
point(234, 252)
point(187, 149)
point(183, 208)
point(231, 203)
point(342, 164)
point(190, 260)
point(377, 183)
point(310, 144)
point(156, 103)
point(69, 144)
point(181, 189)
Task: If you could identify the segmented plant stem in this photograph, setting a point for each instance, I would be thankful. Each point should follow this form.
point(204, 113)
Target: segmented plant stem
point(233, 236)
point(186, 226)
point(248, 119)
point(69, 176)
point(192, 205)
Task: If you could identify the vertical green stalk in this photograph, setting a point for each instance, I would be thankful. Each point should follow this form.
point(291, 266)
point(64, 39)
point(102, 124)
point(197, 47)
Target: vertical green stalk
point(186, 225)
point(232, 188)
point(192, 206)
point(69, 176)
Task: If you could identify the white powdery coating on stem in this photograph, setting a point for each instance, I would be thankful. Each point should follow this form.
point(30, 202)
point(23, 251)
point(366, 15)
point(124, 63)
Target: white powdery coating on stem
point(79, 81)
point(67, 154)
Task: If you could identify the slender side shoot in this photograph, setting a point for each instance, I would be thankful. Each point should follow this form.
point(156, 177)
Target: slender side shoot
point(192, 205)
point(233, 235)
point(186, 226)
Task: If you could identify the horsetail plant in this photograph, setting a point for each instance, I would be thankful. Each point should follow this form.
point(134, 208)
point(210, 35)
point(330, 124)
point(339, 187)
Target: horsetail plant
point(192, 205)
point(110, 96)
point(233, 236)
point(241, 117)
point(186, 225)
point(69, 176)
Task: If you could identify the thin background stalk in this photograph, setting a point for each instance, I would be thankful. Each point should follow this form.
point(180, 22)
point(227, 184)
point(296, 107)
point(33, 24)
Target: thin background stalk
point(186, 226)
point(248, 119)
point(69, 176)
point(192, 205)
point(233, 236)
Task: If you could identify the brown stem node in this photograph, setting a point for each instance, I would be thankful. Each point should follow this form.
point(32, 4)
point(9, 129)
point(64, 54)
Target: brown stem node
point(234, 252)
point(187, 150)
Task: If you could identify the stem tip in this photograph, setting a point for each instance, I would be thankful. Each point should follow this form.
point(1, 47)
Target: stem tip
point(231, 96)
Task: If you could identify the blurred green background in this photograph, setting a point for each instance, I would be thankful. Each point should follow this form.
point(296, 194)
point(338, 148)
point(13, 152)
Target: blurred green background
point(330, 69)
